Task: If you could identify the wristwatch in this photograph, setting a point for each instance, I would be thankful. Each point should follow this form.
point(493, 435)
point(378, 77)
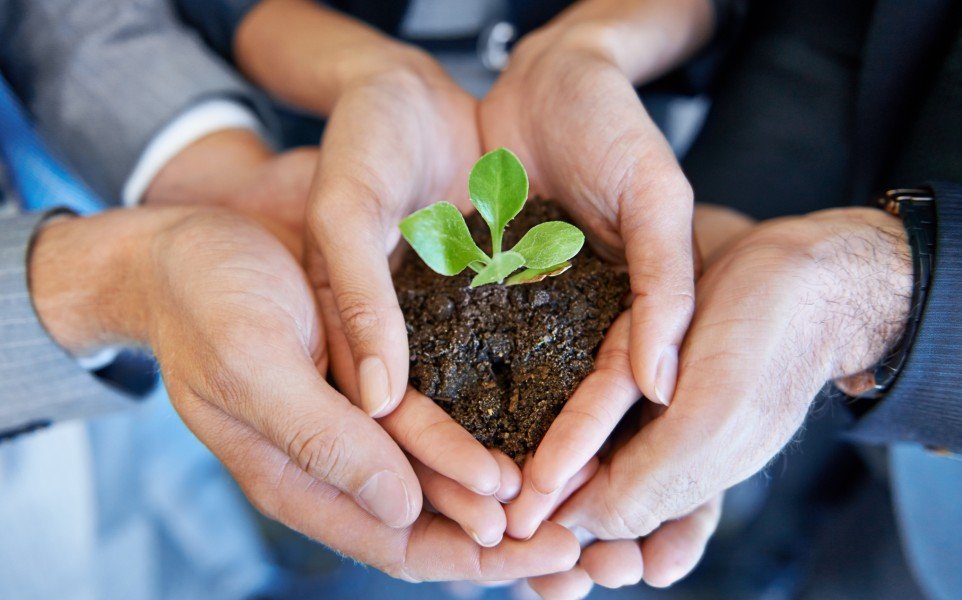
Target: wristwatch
point(916, 208)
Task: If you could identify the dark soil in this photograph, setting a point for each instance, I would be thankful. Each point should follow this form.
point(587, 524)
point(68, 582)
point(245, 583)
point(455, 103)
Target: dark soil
point(503, 360)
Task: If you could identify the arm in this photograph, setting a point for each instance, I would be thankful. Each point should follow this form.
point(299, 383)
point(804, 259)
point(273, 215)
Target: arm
point(101, 93)
point(41, 382)
point(642, 39)
point(924, 404)
point(567, 106)
point(231, 319)
point(792, 304)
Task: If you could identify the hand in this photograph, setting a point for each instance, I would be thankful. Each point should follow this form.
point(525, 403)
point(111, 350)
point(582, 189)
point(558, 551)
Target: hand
point(394, 143)
point(794, 303)
point(235, 169)
point(231, 319)
point(601, 401)
point(567, 106)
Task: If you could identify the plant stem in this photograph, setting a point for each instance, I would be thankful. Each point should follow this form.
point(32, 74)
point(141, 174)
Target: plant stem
point(496, 241)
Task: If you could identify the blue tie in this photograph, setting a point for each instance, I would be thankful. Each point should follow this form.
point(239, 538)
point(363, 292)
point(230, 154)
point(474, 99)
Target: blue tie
point(40, 181)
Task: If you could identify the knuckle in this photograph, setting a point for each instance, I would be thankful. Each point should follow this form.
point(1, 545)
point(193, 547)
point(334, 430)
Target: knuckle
point(220, 381)
point(627, 520)
point(396, 562)
point(357, 313)
point(323, 453)
point(489, 564)
point(266, 503)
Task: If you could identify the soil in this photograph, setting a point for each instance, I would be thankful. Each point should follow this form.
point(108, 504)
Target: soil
point(502, 360)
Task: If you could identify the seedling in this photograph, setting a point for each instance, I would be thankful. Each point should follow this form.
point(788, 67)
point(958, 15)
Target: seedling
point(498, 185)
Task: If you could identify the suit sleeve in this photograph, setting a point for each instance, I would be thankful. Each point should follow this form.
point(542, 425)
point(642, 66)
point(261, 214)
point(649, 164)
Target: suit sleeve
point(39, 382)
point(925, 404)
point(102, 77)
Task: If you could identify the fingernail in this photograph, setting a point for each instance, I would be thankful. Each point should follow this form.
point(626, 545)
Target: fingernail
point(491, 490)
point(477, 538)
point(666, 375)
point(507, 494)
point(374, 385)
point(386, 497)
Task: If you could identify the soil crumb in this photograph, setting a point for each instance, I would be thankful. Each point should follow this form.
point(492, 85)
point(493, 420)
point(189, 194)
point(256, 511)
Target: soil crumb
point(502, 361)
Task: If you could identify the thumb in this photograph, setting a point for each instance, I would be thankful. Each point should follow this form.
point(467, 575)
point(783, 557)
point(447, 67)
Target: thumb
point(330, 439)
point(656, 225)
point(347, 262)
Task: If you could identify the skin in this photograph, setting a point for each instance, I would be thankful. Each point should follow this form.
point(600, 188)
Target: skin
point(375, 91)
point(574, 80)
point(232, 320)
point(234, 169)
point(785, 307)
point(401, 135)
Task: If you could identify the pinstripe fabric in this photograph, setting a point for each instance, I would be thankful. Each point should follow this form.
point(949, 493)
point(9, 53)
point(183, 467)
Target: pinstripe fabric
point(102, 77)
point(39, 381)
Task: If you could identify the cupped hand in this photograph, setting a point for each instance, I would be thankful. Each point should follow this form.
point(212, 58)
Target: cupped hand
point(793, 304)
point(236, 170)
point(233, 324)
point(394, 142)
point(573, 117)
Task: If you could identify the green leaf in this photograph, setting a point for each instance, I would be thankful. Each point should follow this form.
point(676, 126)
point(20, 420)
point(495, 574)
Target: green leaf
point(501, 266)
point(499, 187)
point(549, 244)
point(441, 238)
point(535, 275)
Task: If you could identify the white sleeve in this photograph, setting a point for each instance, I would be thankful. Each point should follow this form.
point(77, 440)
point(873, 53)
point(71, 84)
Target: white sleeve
point(199, 121)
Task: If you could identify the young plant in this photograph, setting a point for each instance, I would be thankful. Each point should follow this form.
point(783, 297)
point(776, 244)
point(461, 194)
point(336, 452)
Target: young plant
point(498, 185)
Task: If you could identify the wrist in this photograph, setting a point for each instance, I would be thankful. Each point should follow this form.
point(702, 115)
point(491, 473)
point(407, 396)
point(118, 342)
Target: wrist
point(89, 277)
point(642, 39)
point(867, 262)
point(321, 55)
point(210, 171)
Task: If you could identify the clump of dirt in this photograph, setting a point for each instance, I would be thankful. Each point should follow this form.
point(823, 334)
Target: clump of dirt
point(501, 360)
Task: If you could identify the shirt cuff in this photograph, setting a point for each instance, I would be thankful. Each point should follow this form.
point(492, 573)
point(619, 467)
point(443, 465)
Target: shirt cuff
point(98, 360)
point(196, 122)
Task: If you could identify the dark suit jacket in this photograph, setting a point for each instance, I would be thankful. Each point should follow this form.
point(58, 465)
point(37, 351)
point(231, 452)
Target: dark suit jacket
point(819, 104)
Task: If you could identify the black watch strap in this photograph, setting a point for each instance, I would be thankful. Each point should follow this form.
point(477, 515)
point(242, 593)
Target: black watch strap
point(916, 208)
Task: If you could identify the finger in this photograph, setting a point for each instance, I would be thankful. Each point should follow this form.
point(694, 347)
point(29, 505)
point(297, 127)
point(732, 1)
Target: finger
point(656, 225)
point(282, 491)
point(351, 246)
point(673, 550)
point(730, 418)
point(510, 485)
point(481, 517)
point(589, 417)
point(433, 548)
point(422, 428)
point(613, 564)
point(568, 585)
point(530, 510)
point(290, 404)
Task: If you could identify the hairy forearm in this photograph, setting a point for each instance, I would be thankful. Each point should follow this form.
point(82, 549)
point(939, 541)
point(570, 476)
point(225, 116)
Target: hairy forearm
point(309, 55)
point(644, 38)
point(89, 277)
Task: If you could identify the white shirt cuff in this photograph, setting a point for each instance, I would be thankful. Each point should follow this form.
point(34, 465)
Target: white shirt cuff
point(188, 127)
point(99, 360)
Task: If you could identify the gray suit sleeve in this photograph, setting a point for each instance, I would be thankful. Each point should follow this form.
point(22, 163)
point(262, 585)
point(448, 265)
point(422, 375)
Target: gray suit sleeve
point(102, 77)
point(39, 381)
